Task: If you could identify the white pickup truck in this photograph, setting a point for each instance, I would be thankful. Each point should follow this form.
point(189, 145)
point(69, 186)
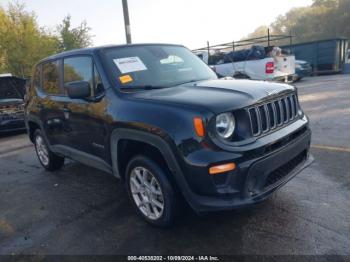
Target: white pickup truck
point(278, 68)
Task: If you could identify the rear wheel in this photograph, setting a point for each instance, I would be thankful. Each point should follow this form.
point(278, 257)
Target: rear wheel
point(150, 191)
point(47, 159)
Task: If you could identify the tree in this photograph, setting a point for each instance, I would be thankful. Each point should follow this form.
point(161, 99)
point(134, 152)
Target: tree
point(72, 38)
point(22, 42)
point(259, 32)
point(3, 59)
point(321, 20)
point(325, 3)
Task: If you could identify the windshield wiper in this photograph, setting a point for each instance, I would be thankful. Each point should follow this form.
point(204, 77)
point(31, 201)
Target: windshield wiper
point(191, 81)
point(187, 82)
point(142, 87)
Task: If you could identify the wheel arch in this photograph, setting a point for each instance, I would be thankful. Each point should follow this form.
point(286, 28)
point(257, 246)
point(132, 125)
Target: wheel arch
point(121, 138)
point(32, 126)
point(153, 142)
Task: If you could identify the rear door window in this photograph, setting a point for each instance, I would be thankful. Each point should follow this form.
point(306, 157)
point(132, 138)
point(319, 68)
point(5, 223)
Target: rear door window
point(51, 81)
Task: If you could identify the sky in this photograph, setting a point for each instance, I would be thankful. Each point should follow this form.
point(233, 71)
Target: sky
point(188, 22)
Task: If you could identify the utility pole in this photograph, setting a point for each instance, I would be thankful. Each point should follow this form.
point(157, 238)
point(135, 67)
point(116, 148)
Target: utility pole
point(126, 22)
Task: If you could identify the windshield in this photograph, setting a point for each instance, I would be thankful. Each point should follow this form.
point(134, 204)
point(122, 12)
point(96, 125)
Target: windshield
point(155, 66)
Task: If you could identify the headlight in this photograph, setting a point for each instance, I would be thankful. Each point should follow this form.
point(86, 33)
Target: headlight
point(225, 125)
point(298, 66)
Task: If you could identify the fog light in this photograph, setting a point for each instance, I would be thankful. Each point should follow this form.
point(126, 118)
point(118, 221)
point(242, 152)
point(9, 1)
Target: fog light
point(222, 168)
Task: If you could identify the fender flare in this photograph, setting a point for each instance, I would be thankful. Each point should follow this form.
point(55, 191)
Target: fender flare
point(159, 143)
point(35, 120)
point(140, 136)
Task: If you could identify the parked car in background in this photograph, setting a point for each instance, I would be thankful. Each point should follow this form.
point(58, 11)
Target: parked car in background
point(346, 67)
point(158, 118)
point(12, 90)
point(302, 69)
point(255, 63)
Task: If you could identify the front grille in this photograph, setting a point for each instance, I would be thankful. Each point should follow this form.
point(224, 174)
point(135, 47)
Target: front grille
point(5, 108)
point(273, 114)
point(284, 170)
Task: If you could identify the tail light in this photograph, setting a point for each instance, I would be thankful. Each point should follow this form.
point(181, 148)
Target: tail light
point(270, 67)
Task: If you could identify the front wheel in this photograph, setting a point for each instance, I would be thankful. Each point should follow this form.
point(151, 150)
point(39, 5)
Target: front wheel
point(150, 191)
point(47, 159)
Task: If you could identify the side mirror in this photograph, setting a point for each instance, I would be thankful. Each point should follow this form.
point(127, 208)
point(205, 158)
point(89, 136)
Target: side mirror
point(78, 89)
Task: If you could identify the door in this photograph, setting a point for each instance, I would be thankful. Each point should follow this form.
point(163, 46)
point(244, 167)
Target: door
point(86, 117)
point(50, 103)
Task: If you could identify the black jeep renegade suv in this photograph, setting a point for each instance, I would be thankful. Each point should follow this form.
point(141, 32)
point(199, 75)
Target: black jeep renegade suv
point(157, 117)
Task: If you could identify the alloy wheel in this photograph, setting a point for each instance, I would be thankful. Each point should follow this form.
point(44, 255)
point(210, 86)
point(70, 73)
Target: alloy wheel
point(42, 151)
point(147, 193)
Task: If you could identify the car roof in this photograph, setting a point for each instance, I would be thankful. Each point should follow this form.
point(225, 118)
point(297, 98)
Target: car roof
point(91, 50)
point(5, 75)
point(9, 76)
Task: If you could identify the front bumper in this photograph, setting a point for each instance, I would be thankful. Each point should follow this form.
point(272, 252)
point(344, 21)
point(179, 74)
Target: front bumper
point(256, 177)
point(12, 125)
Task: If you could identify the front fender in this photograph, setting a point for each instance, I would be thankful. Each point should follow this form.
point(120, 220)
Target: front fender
point(165, 147)
point(140, 136)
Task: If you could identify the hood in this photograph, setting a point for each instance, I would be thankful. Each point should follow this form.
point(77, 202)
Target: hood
point(12, 87)
point(217, 95)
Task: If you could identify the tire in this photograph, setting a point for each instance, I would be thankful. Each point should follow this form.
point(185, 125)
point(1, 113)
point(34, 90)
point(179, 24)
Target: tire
point(141, 166)
point(47, 159)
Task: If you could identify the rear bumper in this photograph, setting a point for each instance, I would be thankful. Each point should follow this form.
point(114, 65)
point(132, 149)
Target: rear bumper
point(287, 79)
point(254, 179)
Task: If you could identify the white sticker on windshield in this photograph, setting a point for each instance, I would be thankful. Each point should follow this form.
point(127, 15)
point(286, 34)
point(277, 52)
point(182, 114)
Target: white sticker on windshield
point(129, 64)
